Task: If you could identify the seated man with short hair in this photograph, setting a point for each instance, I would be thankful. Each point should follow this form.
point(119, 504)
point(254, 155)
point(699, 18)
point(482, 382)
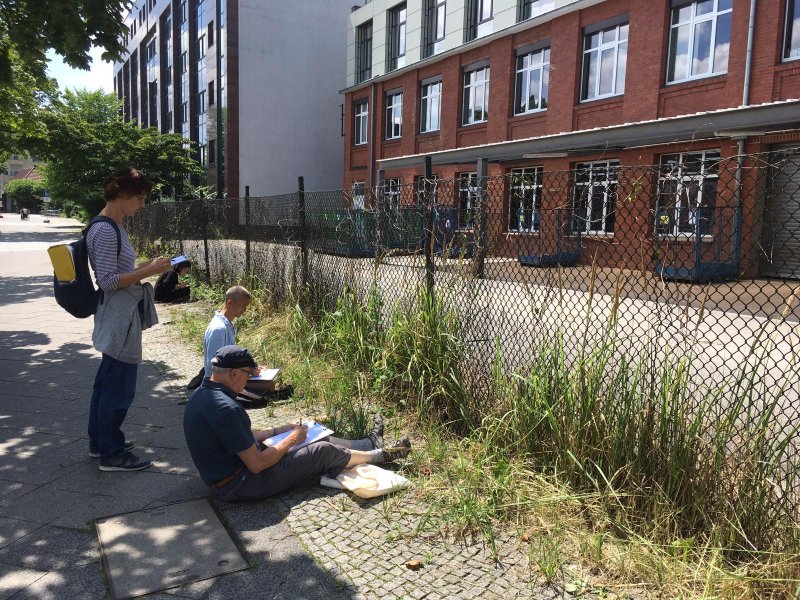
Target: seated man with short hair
point(229, 454)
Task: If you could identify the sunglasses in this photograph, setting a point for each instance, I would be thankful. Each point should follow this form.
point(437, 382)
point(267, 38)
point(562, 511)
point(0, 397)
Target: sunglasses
point(249, 372)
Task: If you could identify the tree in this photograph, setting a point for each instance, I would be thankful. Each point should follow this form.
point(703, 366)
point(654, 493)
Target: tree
point(86, 139)
point(25, 193)
point(28, 28)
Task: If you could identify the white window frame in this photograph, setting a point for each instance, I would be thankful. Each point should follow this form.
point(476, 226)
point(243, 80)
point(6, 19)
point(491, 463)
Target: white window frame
point(609, 195)
point(684, 182)
point(791, 35)
point(430, 97)
point(469, 102)
point(360, 123)
point(356, 197)
point(394, 116)
point(619, 48)
point(391, 192)
point(538, 61)
point(468, 190)
point(692, 24)
point(522, 181)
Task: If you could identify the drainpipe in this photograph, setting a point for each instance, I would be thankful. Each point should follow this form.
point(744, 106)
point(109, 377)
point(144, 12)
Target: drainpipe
point(749, 57)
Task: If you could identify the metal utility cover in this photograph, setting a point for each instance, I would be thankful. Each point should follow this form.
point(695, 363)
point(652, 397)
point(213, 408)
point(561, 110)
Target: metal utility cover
point(160, 548)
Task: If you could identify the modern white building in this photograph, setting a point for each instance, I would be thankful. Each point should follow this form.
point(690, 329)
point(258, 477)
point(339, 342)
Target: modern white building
point(253, 83)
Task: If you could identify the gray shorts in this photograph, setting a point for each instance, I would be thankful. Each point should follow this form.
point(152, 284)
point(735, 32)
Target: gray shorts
point(294, 468)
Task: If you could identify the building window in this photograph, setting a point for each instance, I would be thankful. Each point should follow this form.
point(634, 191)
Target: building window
point(212, 151)
point(468, 196)
point(525, 199)
point(364, 52)
point(211, 96)
point(699, 39)
point(396, 46)
point(687, 193)
point(605, 59)
point(360, 114)
point(533, 75)
point(434, 27)
point(210, 34)
point(184, 62)
point(476, 96)
point(430, 107)
point(394, 115)
point(357, 195)
point(595, 196)
point(391, 192)
point(150, 50)
point(201, 46)
point(479, 19)
point(791, 47)
point(423, 186)
point(533, 8)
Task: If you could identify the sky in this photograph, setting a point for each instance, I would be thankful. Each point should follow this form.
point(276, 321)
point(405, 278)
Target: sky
point(101, 75)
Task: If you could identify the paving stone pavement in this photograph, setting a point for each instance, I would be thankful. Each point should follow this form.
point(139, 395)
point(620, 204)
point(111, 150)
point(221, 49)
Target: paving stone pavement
point(313, 542)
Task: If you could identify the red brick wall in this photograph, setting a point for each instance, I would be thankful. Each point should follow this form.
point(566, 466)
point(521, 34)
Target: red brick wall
point(646, 95)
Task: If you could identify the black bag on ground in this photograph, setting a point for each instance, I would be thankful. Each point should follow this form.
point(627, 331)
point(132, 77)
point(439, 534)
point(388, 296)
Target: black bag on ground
point(79, 296)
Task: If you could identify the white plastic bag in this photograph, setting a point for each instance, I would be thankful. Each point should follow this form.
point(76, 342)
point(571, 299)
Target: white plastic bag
point(367, 481)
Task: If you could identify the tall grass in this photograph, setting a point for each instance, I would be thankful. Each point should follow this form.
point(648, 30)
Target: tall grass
point(673, 460)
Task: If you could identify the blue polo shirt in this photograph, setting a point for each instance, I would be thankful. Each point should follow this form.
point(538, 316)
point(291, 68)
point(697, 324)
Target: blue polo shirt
point(216, 428)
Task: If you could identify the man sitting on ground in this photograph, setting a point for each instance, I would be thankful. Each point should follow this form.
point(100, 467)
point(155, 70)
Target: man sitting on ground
point(220, 331)
point(229, 454)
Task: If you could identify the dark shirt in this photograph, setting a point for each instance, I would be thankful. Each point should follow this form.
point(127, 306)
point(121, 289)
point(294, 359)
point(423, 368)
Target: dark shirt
point(166, 283)
point(216, 429)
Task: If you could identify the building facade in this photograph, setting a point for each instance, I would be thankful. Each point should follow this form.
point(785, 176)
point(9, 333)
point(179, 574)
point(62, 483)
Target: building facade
point(247, 81)
point(585, 87)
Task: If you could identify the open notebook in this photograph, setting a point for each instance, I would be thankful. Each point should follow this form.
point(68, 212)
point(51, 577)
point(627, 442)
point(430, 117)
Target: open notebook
point(316, 432)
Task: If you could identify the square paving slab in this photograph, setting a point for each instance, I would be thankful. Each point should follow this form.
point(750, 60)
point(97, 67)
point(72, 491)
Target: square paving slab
point(164, 547)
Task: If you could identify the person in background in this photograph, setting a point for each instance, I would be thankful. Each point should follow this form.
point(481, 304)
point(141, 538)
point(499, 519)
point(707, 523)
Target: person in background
point(168, 286)
point(220, 331)
point(126, 308)
point(230, 455)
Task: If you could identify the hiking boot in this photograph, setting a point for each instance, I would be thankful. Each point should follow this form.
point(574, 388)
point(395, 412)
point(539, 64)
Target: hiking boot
point(376, 433)
point(129, 445)
point(127, 461)
point(403, 442)
point(395, 452)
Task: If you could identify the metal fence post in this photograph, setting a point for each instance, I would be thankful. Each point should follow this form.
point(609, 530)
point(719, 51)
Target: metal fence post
point(247, 232)
point(301, 199)
point(380, 199)
point(204, 208)
point(483, 165)
point(429, 237)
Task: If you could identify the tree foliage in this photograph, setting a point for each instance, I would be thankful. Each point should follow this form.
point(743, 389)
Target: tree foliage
point(86, 139)
point(28, 29)
point(25, 193)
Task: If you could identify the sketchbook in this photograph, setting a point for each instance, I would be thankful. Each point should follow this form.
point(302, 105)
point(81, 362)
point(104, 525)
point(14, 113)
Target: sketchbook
point(265, 375)
point(316, 432)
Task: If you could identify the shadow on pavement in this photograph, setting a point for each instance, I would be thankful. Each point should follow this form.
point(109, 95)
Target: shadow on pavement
point(14, 290)
point(46, 237)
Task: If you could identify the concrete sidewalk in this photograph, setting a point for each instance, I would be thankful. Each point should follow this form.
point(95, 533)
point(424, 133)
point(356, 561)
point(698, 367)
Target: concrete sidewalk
point(51, 491)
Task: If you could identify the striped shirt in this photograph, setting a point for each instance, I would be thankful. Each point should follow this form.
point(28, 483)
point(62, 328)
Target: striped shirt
point(101, 242)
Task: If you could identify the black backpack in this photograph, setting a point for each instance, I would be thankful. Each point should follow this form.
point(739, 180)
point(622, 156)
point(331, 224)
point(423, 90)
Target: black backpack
point(79, 297)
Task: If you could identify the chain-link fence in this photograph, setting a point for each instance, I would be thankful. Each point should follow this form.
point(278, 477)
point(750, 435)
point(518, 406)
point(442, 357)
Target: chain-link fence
point(696, 257)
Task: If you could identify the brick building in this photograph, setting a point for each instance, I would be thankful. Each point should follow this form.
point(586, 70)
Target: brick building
point(586, 87)
point(257, 98)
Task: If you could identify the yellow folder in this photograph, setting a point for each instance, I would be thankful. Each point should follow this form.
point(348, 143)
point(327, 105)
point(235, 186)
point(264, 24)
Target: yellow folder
point(63, 265)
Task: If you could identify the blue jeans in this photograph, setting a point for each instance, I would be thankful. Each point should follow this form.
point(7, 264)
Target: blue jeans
point(112, 396)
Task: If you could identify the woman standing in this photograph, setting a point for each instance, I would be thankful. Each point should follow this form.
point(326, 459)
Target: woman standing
point(125, 309)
